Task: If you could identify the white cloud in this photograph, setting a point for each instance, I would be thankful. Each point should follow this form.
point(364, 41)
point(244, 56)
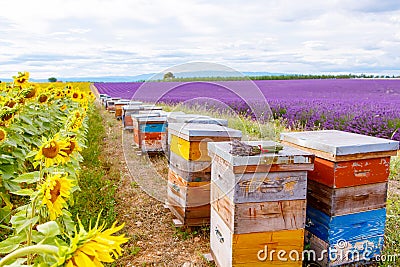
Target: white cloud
point(122, 37)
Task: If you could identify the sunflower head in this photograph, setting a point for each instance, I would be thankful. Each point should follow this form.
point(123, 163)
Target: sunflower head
point(3, 135)
point(30, 91)
point(52, 151)
point(6, 115)
point(55, 190)
point(43, 98)
point(21, 80)
point(10, 103)
point(72, 146)
point(92, 247)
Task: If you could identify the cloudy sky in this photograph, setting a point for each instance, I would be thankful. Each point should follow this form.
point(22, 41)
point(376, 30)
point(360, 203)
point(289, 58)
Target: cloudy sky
point(78, 38)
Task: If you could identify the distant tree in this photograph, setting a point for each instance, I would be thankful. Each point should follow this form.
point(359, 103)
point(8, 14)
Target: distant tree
point(169, 75)
point(52, 79)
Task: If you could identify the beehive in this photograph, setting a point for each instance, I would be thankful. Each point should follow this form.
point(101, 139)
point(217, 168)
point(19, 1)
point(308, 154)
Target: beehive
point(149, 131)
point(118, 107)
point(347, 189)
point(189, 169)
point(110, 103)
point(257, 201)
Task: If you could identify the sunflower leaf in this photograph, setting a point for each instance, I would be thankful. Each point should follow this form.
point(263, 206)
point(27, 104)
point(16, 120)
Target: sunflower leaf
point(23, 192)
point(49, 229)
point(11, 243)
point(29, 178)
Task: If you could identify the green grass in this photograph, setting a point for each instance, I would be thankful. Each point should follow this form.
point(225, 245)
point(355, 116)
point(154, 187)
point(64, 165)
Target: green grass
point(392, 237)
point(251, 129)
point(395, 168)
point(97, 193)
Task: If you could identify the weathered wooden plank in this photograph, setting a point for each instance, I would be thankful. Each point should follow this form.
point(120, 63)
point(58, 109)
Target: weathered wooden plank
point(260, 187)
point(346, 252)
point(350, 173)
point(201, 176)
point(259, 217)
point(341, 201)
point(194, 131)
point(347, 227)
point(189, 166)
point(287, 156)
point(340, 143)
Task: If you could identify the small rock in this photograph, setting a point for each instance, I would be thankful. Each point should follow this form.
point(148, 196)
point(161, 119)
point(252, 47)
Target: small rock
point(196, 239)
point(139, 243)
point(138, 224)
point(159, 253)
point(187, 264)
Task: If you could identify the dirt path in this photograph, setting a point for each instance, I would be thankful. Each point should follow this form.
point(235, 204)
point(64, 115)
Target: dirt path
point(154, 239)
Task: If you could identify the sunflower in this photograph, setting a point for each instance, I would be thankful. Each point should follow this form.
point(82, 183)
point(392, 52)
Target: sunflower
point(91, 248)
point(75, 96)
point(52, 151)
point(7, 115)
point(3, 135)
point(42, 99)
point(74, 121)
point(72, 146)
point(56, 190)
point(22, 79)
point(30, 91)
point(63, 107)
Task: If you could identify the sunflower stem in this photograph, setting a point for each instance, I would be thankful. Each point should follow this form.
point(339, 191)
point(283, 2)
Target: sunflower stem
point(47, 249)
point(29, 239)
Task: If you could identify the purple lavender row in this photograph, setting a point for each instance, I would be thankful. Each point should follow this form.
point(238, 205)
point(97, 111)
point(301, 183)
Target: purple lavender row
point(370, 107)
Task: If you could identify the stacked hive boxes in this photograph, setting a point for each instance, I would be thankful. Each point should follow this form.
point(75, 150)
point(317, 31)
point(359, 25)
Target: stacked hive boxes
point(149, 131)
point(258, 206)
point(346, 193)
point(189, 173)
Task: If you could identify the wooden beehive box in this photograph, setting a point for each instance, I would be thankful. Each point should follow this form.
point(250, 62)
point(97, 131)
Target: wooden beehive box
point(356, 233)
point(149, 133)
point(229, 249)
point(118, 107)
point(135, 126)
point(189, 172)
point(346, 200)
point(189, 140)
point(345, 159)
point(264, 177)
point(344, 253)
point(180, 117)
point(110, 103)
point(257, 196)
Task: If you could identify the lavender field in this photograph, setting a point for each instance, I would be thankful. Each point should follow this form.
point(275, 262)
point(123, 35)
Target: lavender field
point(366, 106)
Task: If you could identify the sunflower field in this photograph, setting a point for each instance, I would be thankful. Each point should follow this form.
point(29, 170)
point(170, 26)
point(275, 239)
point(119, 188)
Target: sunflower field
point(43, 130)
